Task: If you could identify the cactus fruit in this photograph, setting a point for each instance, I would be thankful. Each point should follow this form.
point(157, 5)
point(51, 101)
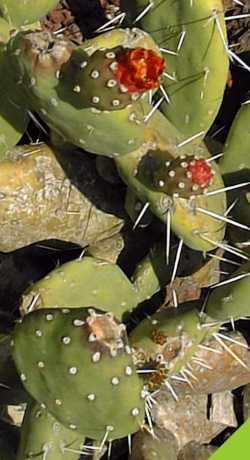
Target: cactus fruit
point(82, 283)
point(24, 12)
point(89, 374)
point(195, 76)
point(185, 176)
point(38, 201)
point(42, 434)
point(111, 79)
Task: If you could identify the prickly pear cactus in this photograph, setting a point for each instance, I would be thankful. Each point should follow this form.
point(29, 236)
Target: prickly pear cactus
point(82, 283)
point(192, 37)
point(40, 60)
point(89, 372)
point(235, 167)
point(5, 30)
point(165, 343)
point(25, 12)
point(42, 434)
point(178, 185)
point(230, 300)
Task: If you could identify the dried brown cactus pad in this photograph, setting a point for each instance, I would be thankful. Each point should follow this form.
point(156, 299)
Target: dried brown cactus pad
point(39, 201)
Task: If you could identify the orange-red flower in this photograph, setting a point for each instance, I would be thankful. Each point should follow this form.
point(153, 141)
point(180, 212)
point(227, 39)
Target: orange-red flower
point(201, 172)
point(139, 70)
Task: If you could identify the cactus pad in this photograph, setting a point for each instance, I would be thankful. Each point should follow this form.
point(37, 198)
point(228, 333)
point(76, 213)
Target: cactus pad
point(192, 37)
point(166, 342)
point(25, 12)
point(81, 283)
point(38, 59)
point(88, 375)
point(43, 435)
point(231, 301)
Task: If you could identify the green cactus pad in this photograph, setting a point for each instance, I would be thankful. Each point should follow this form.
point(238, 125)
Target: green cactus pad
point(82, 283)
point(236, 150)
point(5, 29)
point(231, 301)
point(192, 36)
point(11, 389)
point(23, 12)
point(198, 230)
point(13, 115)
point(166, 342)
point(39, 58)
point(88, 382)
point(235, 167)
point(43, 435)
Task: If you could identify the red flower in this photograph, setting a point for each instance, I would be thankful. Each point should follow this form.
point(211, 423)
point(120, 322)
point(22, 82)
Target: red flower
point(201, 172)
point(139, 70)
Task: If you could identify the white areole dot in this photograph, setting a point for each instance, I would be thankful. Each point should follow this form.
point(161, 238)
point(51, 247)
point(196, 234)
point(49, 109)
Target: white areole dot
point(78, 322)
point(96, 357)
point(110, 55)
point(72, 426)
point(135, 412)
point(73, 370)
point(111, 83)
point(128, 370)
point(95, 74)
point(54, 101)
point(95, 99)
point(38, 333)
point(66, 340)
point(49, 317)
